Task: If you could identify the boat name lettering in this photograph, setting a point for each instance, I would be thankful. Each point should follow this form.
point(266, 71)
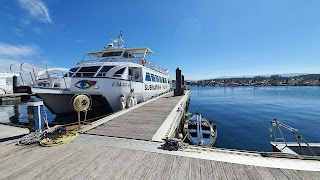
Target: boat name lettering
point(150, 87)
point(120, 84)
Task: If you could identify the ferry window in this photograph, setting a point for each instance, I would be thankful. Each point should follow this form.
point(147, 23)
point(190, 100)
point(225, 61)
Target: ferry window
point(148, 78)
point(157, 78)
point(71, 72)
point(108, 54)
point(161, 79)
point(104, 70)
point(153, 78)
point(165, 80)
point(87, 71)
point(126, 54)
point(119, 72)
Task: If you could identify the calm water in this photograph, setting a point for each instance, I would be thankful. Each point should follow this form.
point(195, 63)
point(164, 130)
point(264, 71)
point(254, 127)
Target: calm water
point(242, 114)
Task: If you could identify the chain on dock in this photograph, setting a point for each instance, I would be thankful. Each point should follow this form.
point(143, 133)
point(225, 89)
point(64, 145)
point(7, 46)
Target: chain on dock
point(173, 144)
point(36, 137)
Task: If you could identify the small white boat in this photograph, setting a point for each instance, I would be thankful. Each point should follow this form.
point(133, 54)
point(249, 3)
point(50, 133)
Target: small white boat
point(300, 147)
point(200, 131)
point(5, 85)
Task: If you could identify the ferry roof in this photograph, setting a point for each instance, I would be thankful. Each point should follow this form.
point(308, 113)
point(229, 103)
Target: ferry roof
point(129, 50)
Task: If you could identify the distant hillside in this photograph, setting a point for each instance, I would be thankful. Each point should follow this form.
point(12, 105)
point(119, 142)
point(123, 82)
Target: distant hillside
point(268, 77)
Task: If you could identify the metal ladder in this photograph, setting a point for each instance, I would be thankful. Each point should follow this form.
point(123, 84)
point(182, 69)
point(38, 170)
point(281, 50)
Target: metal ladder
point(296, 134)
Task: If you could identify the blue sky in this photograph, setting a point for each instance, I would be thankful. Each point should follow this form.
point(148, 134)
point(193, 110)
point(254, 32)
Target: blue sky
point(204, 38)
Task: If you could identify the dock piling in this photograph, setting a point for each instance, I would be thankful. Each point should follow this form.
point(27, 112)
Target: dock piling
point(177, 91)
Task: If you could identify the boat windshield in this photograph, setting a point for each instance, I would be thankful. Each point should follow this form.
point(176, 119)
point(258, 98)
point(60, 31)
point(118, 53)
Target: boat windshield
point(110, 54)
point(71, 72)
point(87, 71)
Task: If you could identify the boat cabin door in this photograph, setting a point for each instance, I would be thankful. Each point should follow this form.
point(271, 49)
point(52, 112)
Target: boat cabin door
point(136, 76)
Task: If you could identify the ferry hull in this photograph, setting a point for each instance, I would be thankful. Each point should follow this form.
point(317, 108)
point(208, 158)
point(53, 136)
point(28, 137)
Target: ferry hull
point(58, 101)
point(60, 104)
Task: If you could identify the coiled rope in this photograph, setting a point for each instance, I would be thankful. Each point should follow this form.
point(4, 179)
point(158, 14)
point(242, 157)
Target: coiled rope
point(81, 102)
point(58, 138)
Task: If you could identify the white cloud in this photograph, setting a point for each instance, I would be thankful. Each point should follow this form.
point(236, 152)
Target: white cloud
point(37, 9)
point(17, 50)
point(6, 63)
point(16, 54)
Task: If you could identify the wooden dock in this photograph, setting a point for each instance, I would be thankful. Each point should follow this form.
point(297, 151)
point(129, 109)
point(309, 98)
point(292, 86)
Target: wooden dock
point(14, 97)
point(140, 123)
point(126, 145)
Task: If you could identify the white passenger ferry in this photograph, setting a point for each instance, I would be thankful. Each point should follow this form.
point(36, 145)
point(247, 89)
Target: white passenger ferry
point(116, 77)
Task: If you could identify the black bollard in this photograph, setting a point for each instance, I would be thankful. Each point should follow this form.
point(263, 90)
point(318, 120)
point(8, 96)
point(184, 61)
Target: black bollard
point(183, 86)
point(182, 80)
point(178, 83)
point(14, 83)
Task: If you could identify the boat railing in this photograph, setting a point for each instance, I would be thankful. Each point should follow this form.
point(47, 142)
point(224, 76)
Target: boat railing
point(42, 76)
point(15, 68)
point(296, 134)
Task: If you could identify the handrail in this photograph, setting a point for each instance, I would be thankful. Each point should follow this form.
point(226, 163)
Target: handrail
point(296, 134)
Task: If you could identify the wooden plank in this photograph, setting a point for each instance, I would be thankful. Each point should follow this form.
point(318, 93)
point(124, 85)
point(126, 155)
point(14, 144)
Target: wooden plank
point(277, 173)
point(130, 172)
point(251, 172)
point(40, 167)
point(94, 165)
point(219, 171)
point(290, 174)
point(235, 170)
point(101, 166)
point(180, 166)
point(9, 150)
point(194, 169)
point(164, 171)
point(25, 163)
point(206, 169)
point(85, 158)
point(144, 166)
point(265, 173)
point(307, 175)
point(150, 172)
point(59, 169)
point(123, 159)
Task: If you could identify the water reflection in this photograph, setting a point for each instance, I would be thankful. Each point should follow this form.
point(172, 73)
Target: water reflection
point(16, 113)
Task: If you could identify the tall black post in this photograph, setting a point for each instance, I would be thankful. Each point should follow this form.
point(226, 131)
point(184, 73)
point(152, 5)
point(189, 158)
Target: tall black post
point(182, 80)
point(14, 83)
point(178, 82)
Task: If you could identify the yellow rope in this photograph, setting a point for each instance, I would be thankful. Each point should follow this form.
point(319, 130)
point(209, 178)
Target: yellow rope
point(58, 138)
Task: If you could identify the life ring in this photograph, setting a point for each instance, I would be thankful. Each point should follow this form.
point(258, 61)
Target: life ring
point(143, 62)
